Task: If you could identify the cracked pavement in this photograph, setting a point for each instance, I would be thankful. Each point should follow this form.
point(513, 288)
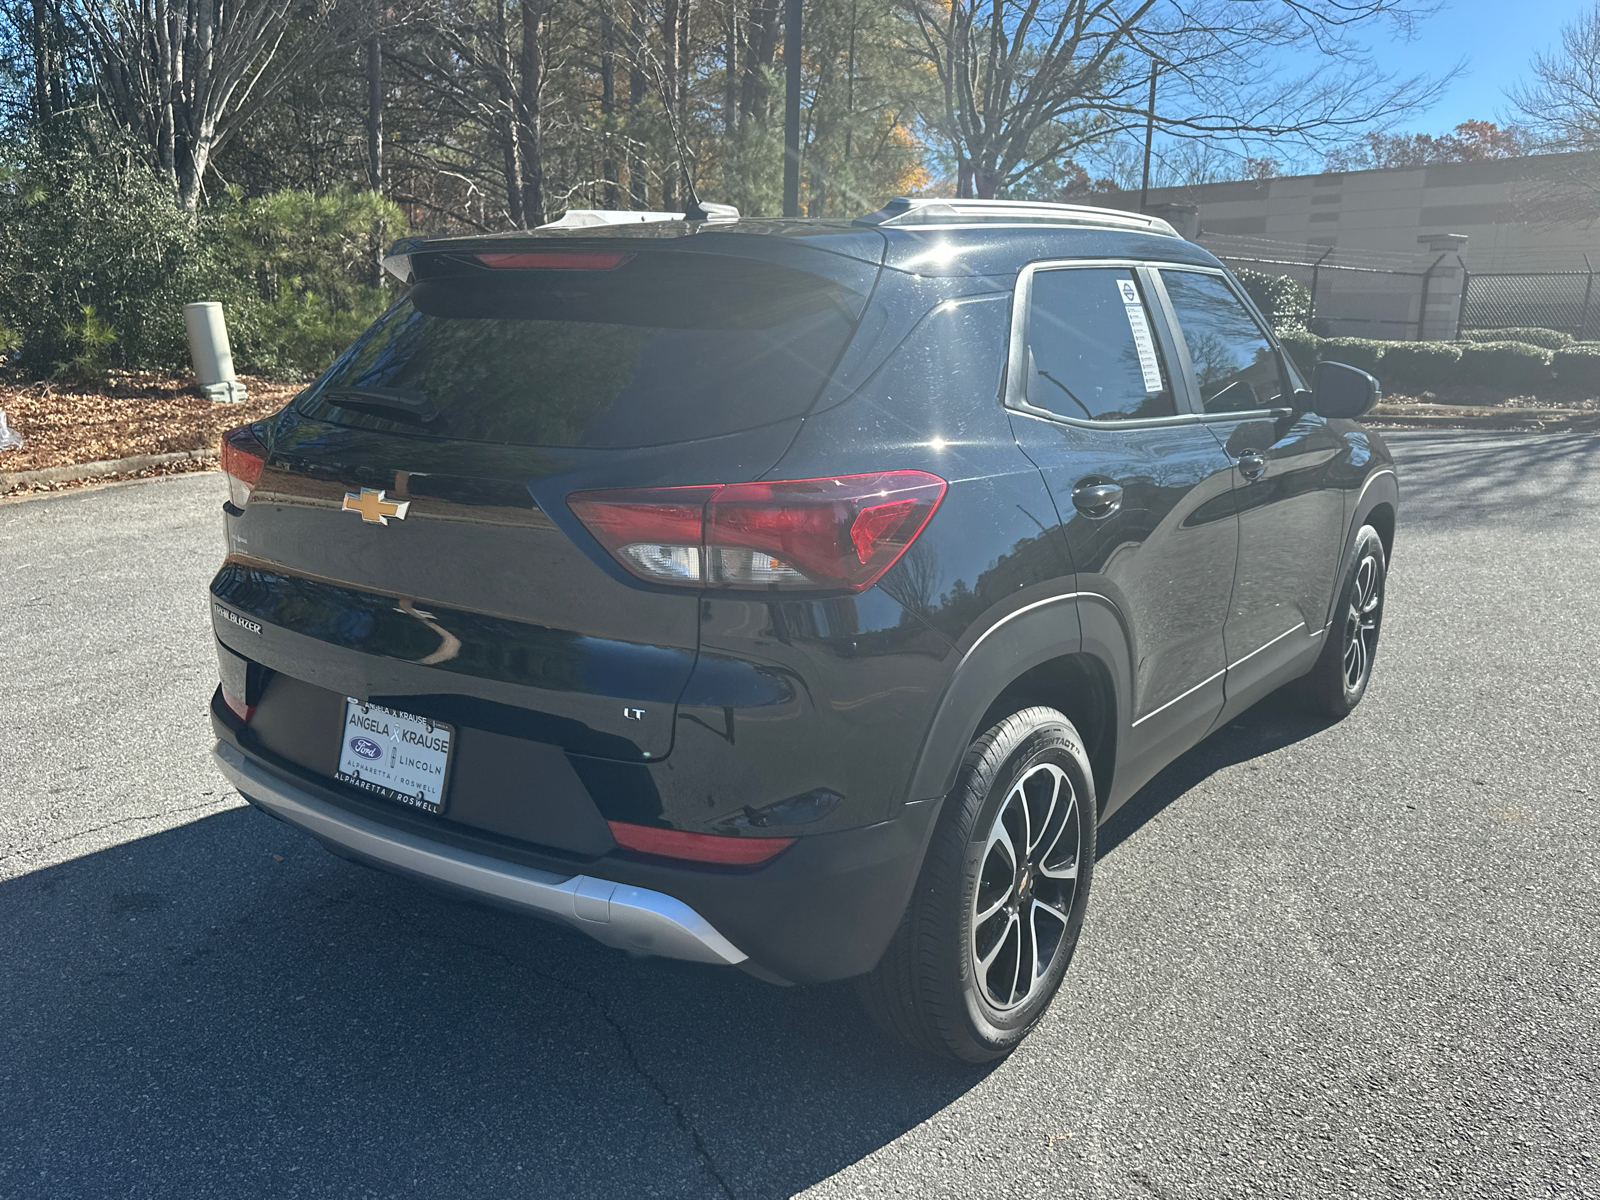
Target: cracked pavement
point(1356, 959)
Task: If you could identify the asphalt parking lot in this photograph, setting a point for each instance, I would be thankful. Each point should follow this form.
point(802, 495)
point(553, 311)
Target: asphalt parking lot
point(1357, 959)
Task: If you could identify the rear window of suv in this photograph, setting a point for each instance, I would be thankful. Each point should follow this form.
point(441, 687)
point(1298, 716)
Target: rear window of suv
point(658, 348)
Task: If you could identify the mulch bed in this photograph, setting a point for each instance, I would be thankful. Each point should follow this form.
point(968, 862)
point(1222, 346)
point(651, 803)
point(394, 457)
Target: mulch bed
point(134, 412)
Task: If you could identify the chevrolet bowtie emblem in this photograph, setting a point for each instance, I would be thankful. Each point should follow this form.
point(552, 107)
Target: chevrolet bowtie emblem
point(374, 509)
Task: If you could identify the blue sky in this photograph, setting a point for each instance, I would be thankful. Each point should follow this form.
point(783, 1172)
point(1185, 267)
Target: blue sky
point(1498, 40)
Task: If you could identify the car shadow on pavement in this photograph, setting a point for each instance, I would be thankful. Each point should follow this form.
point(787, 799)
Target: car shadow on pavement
point(225, 1009)
point(1454, 484)
point(1272, 724)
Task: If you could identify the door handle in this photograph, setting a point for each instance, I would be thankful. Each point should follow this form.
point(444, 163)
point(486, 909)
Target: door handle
point(1252, 464)
point(1097, 500)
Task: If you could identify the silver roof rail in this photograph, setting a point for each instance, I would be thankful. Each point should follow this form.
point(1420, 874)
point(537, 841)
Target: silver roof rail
point(584, 218)
point(905, 211)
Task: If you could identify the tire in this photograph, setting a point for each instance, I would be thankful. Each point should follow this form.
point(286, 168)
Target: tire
point(932, 988)
point(1338, 681)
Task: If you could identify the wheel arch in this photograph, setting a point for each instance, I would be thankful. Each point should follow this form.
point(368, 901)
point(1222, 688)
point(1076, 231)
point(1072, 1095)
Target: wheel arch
point(1377, 504)
point(1072, 654)
point(1381, 516)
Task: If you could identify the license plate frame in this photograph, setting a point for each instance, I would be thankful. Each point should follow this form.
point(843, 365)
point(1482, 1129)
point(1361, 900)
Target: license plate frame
point(396, 755)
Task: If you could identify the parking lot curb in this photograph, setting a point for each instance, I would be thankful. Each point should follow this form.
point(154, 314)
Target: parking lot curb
point(16, 481)
point(1531, 420)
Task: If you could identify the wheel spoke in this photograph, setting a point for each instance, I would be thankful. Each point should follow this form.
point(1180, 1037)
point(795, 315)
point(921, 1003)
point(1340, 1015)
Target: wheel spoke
point(983, 915)
point(1032, 960)
point(987, 960)
point(1051, 911)
point(1017, 801)
point(1355, 662)
point(1066, 823)
point(1056, 778)
point(1000, 839)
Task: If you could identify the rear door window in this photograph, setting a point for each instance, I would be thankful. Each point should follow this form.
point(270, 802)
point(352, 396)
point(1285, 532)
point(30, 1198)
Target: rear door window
point(1092, 354)
point(656, 348)
point(1234, 364)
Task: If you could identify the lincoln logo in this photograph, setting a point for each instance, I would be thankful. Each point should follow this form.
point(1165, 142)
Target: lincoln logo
point(374, 509)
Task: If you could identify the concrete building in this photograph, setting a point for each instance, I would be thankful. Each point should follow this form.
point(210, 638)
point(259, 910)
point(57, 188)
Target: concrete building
point(1395, 245)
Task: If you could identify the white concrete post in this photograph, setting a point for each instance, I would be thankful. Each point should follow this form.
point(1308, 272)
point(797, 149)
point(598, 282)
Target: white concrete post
point(209, 350)
point(1439, 304)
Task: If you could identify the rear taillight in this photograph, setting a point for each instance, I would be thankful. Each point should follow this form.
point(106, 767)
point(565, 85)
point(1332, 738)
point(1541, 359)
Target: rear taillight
point(840, 533)
point(243, 456)
point(237, 706)
point(557, 260)
point(696, 847)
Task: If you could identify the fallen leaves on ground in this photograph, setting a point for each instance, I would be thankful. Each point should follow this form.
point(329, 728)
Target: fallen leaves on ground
point(134, 412)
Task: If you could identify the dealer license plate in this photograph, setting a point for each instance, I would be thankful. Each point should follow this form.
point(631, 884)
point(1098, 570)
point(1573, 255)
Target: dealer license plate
point(394, 754)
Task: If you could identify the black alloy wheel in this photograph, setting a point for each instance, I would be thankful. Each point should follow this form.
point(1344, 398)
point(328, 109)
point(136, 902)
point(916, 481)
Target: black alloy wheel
point(995, 917)
point(1027, 883)
point(1339, 680)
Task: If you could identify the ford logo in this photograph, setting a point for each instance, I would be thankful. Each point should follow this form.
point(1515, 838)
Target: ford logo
point(366, 747)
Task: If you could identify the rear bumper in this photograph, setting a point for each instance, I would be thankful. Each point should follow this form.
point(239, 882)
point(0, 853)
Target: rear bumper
point(824, 909)
point(617, 914)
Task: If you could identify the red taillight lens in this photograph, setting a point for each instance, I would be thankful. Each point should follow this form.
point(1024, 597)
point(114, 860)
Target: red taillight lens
point(243, 456)
point(547, 260)
point(839, 533)
point(239, 708)
point(698, 847)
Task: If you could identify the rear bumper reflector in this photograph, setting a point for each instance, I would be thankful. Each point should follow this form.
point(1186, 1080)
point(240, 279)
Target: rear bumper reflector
point(697, 847)
point(630, 918)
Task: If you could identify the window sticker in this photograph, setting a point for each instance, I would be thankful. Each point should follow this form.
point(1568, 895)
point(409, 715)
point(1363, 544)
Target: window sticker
point(1142, 341)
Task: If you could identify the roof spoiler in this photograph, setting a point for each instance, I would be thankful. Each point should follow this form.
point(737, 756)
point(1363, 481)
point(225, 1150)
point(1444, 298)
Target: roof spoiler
point(906, 211)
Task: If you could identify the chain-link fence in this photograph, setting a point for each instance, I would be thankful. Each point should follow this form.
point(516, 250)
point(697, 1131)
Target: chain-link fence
point(1353, 293)
point(1563, 300)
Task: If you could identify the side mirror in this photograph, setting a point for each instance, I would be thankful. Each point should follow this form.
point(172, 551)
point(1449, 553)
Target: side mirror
point(1343, 391)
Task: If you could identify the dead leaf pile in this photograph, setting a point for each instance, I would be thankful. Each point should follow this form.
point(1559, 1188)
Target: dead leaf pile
point(134, 412)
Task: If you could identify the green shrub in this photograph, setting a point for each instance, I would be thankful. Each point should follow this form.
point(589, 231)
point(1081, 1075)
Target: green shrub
point(1550, 339)
point(96, 261)
point(1578, 365)
point(313, 264)
point(1283, 300)
point(1302, 348)
point(1420, 366)
point(1355, 352)
point(90, 340)
point(1520, 367)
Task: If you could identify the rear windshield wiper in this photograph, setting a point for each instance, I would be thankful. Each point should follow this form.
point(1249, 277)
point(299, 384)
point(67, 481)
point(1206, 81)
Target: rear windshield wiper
point(384, 402)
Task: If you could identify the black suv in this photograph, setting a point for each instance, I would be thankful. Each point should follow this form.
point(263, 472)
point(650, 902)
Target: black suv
point(793, 595)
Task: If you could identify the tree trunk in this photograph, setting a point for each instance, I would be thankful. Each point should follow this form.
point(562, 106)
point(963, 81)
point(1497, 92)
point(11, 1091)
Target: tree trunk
point(375, 110)
point(730, 87)
point(510, 154)
point(530, 131)
point(608, 104)
point(964, 179)
point(638, 175)
point(43, 75)
point(670, 72)
point(761, 49)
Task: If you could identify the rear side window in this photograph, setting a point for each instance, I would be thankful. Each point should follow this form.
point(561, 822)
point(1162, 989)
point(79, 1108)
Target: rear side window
point(1091, 352)
point(658, 348)
point(1235, 365)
